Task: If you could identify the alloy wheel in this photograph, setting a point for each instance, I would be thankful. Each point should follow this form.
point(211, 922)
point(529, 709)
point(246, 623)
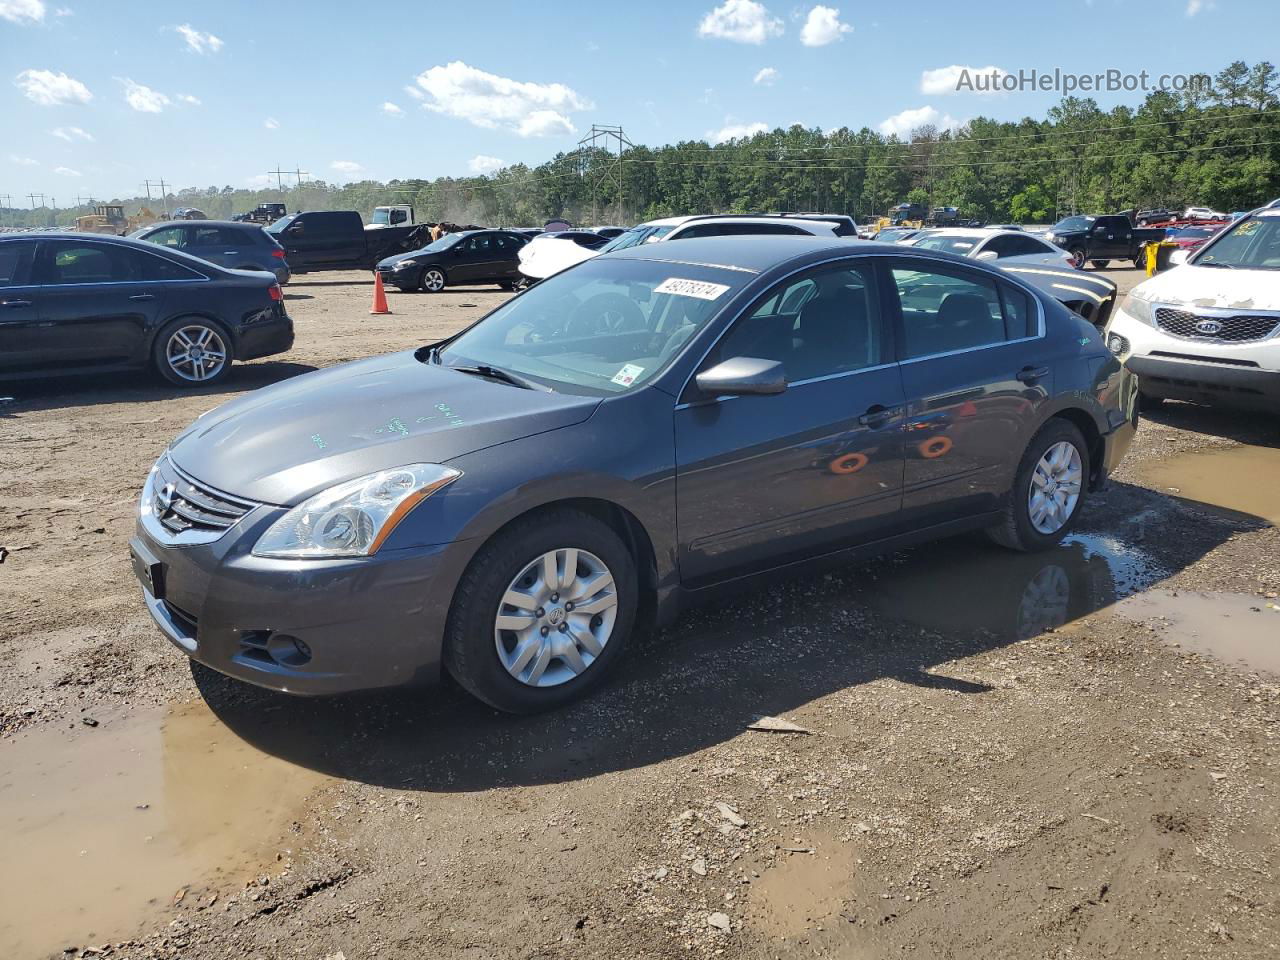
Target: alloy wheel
point(196, 352)
point(556, 617)
point(1055, 487)
point(433, 281)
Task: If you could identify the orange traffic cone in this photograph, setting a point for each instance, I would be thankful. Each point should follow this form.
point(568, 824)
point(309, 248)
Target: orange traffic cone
point(379, 296)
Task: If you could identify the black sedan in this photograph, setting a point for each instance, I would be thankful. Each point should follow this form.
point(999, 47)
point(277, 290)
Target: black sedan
point(466, 258)
point(77, 303)
point(510, 503)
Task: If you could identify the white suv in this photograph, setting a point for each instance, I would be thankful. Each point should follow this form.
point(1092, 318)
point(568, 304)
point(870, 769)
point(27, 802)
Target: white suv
point(1208, 331)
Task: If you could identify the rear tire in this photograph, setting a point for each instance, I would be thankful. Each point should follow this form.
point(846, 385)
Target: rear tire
point(1020, 528)
point(484, 640)
point(192, 352)
point(1100, 264)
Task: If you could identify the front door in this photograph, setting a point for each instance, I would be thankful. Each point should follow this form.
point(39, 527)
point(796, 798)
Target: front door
point(973, 387)
point(19, 307)
point(761, 479)
point(477, 260)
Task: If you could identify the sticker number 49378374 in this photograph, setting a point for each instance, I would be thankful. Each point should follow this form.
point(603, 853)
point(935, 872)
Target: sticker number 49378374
point(691, 288)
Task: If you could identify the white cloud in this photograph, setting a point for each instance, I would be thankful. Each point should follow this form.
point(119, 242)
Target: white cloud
point(197, 41)
point(765, 77)
point(67, 172)
point(143, 99)
point(391, 108)
point(487, 100)
point(735, 131)
point(23, 161)
point(823, 26)
point(271, 123)
point(16, 11)
point(485, 164)
point(71, 134)
point(414, 92)
point(1195, 6)
point(259, 180)
point(188, 98)
point(901, 124)
point(64, 12)
point(742, 21)
point(346, 166)
point(51, 89)
point(945, 80)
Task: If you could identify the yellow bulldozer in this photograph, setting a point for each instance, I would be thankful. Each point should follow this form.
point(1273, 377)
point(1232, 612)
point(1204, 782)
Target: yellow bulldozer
point(109, 218)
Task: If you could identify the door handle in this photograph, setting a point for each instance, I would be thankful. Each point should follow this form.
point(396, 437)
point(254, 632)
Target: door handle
point(1032, 374)
point(143, 296)
point(877, 414)
point(229, 253)
point(15, 303)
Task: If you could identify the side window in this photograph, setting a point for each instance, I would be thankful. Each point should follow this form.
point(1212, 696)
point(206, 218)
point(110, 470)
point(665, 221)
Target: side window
point(943, 312)
point(1022, 246)
point(1020, 318)
point(143, 266)
point(72, 262)
point(1000, 246)
point(701, 230)
point(823, 322)
point(174, 237)
point(15, 263)
point(481, 244)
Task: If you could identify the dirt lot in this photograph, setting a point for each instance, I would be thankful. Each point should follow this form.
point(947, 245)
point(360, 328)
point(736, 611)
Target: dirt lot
point(1068, 755)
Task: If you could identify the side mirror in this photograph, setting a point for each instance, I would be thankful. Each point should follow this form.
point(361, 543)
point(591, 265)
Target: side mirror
point(742, 375)
point(988, 255)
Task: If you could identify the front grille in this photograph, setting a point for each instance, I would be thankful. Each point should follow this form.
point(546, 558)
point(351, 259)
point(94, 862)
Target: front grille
point(186, 622)
point(181, 503)
point(1240, 328)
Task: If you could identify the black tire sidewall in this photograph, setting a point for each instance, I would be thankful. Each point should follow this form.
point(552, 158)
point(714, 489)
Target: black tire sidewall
point(1054, 431)
point(470, 654)
point(160, 362)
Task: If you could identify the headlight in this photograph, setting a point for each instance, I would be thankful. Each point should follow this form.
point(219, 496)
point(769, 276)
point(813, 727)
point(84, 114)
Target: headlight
point(404, 263)
point(1138, 308)
point(354, 518)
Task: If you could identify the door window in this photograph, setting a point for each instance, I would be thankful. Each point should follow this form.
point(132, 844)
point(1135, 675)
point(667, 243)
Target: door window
point(71, 262)
point(823, 322)
point(478, 245)
point(15, 263)
point(147, 267)
point(943, 312)
point(217, 237)
point(174, 237)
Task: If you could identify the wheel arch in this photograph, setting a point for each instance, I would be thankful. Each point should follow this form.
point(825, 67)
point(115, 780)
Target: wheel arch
point(1088, 427)
point(196, 315)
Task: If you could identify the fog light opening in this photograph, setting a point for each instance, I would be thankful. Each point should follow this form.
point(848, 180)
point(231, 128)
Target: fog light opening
point(288, 651)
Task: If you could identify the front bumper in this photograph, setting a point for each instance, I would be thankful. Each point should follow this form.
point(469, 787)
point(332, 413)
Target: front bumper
point(399, 276)
point(303, 627)
point(1244, 375)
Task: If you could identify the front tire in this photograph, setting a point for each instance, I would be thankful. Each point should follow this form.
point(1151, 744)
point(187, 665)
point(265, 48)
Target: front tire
point(1077, 257)
point(543, 612)
point(192, 352)
point(1100, 264)
point(1048, 492)
point(433, 280)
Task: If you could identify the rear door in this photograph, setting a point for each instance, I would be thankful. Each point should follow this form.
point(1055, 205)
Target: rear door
point(99, 301)
point(761, 479)
point(975, 381)
point(19, 306)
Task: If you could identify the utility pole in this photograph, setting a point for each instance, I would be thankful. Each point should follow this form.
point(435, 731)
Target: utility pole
point(33, 199)
point(7, 202)
point(587, 147)
point(164, 197)
point(279, 180)
point(299, 173)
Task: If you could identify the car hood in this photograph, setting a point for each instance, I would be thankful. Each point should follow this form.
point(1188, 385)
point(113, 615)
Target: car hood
point(396, 258)
point(285, 442)
point(1193, 286)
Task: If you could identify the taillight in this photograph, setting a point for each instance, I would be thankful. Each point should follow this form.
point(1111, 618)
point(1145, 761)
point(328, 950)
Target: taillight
point(278, 253)
point(276, 293)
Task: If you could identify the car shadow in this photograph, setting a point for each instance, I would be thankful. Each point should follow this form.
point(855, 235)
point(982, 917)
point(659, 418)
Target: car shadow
point(905, 617)
point(1244, 426)
point(56, 393)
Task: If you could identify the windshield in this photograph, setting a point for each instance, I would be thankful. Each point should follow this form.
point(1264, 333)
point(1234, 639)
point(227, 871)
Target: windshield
point(280, 224)
point(381, 216)
point(634, 236)
point(959, 245)
point(601, 328)
point(1072, 223)
point(1252, 243)
point(444, 243)
point(1193, 233)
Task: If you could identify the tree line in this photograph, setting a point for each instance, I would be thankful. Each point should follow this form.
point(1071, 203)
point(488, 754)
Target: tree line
point(1217, 146)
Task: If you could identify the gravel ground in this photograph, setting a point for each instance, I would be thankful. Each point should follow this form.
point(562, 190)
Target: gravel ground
point(994, 761)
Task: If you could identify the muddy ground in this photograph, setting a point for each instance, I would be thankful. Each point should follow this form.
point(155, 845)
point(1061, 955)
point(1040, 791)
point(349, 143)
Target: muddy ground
point(1068, 755)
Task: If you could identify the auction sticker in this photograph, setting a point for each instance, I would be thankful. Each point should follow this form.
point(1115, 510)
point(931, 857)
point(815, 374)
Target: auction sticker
point(691, 288)
point(627, 375)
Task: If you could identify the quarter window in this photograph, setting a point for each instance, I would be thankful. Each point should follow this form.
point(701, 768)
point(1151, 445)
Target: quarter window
point(824, 322)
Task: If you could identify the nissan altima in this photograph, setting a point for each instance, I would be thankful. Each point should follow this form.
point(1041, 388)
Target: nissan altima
point(511, 503)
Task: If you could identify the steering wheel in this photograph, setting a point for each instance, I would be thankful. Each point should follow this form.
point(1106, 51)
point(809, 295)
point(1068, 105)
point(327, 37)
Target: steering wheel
point(604, 313)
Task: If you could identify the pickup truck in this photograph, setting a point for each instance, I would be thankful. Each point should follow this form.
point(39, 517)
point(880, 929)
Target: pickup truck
point(1099, 240)
point(338, 240)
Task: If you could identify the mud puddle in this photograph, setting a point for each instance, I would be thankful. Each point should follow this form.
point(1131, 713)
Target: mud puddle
point(102, 825)
point(1233, 627)
point(804, 891)
point(962, 585)
point(1239, 479)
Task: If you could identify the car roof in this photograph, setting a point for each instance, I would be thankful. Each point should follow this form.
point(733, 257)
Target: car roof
point(972, 233)
point(240, 224)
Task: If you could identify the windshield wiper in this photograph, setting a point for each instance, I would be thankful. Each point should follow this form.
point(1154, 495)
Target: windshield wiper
point(1224, 266)
point(506, 376)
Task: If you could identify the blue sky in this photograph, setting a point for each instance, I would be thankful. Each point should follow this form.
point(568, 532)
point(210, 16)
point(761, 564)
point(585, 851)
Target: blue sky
point(99, 95)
